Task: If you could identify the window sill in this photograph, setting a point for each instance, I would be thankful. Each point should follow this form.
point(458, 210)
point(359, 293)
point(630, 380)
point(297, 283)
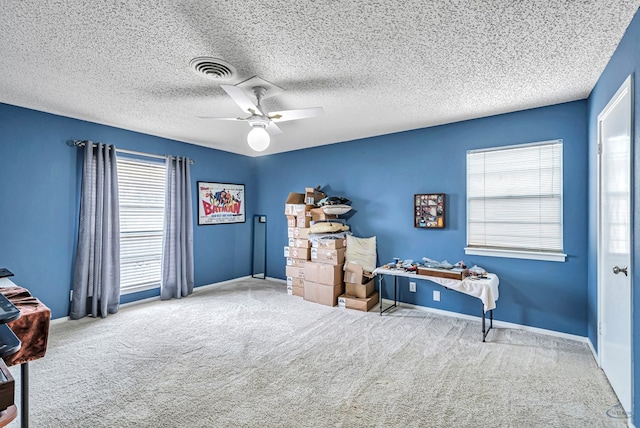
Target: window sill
point(139, 288)
point(516, 254)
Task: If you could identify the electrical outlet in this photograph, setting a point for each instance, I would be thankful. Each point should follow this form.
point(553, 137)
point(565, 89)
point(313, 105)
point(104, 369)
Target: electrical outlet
point(412, 287)
point(436, 295)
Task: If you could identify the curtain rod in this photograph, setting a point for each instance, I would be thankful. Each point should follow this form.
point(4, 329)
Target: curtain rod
point(82, 143)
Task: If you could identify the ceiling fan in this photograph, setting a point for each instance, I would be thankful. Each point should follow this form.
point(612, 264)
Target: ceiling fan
point(262, 122)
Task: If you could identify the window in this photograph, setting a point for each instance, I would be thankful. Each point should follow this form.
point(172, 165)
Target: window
point(514, 201)
point(141, 187)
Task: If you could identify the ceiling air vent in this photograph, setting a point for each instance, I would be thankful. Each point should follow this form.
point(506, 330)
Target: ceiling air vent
point(213, 68)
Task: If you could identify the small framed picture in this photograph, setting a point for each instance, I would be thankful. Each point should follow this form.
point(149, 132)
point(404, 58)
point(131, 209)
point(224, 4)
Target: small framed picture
point(220, 203)
point(429, 210)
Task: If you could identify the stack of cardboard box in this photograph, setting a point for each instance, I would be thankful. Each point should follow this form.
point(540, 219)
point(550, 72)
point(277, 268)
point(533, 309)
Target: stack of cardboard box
point(315, 262)
point(297, 209)
point(323, 276)
point(360, 291)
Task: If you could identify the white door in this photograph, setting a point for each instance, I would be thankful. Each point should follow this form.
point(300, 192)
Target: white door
point(614, 244)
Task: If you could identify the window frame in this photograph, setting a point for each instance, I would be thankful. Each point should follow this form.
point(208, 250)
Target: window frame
point(514, 251)
point(152, 283)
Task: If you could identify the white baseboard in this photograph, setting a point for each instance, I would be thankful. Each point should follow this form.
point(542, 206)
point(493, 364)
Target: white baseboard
point(58, 320)
point(593, 351)
point(153, 298)
point(496, 323)
point(196, 290)
point(218, 284)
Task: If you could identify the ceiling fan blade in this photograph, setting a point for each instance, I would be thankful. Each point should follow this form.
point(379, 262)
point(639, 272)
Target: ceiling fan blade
point(220, 118)
point(240, 98)
point(303, 113)
point(273, 129)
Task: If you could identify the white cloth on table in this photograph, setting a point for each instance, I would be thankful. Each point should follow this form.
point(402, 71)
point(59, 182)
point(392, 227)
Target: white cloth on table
point(484, 289)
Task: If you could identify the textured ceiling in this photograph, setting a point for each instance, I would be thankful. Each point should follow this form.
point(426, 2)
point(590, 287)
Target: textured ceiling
point(377, 66)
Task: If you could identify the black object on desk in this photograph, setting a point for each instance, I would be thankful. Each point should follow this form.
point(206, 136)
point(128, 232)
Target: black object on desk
point(9, 345)
point(8, 311)
point(9, 342)
point(4, 272)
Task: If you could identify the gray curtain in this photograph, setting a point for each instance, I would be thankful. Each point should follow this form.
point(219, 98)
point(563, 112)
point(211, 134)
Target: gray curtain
point(96, 279)
point(177, 245)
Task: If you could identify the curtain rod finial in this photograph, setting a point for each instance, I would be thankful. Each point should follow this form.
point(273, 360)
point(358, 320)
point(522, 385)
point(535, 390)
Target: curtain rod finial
point(76, 143)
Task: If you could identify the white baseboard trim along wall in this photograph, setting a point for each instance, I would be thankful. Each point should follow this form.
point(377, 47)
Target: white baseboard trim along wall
point(150, 299)
point(496, 323)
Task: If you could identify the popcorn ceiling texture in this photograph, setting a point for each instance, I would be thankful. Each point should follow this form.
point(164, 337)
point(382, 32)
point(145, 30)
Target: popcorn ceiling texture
point(376, 67)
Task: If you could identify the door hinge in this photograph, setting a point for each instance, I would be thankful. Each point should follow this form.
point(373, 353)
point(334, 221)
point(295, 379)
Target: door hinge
point(601, 329)
point(599, 148)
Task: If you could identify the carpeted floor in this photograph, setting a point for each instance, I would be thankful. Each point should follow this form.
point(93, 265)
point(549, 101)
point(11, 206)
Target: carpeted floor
point(246, 354)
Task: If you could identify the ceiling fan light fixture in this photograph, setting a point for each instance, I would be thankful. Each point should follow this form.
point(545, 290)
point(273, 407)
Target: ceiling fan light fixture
point(258, 138)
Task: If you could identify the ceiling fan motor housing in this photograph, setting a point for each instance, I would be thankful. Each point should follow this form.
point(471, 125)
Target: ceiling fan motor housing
point(257, 120)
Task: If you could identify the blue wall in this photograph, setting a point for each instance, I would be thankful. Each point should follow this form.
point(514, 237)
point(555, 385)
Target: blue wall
point(625, 61)
point(39, 201)
point(380, 176)
point(40, 182)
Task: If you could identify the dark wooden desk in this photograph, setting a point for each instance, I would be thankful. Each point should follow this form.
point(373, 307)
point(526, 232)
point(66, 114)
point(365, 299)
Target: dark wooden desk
point(8, 415)
point(32, 329)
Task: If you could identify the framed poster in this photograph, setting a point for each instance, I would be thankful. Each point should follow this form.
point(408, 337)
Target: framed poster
point(220, 203)
point(428, 210)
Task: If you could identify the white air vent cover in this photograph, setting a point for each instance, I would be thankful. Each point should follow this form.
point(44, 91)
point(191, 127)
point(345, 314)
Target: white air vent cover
point(213, 68)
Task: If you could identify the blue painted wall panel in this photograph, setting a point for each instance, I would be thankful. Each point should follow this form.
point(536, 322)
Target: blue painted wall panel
point(39, 201)
point(624, 62)
point(380, 175)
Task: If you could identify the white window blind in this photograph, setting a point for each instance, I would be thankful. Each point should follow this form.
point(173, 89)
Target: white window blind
point(141, 190)
point(514, 199)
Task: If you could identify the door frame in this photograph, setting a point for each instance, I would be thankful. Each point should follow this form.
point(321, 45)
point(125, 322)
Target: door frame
point(626, 86)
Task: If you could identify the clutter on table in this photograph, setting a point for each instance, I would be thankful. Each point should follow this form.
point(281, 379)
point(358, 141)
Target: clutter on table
point(443, 269)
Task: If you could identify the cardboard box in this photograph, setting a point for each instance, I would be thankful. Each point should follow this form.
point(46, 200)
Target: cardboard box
point(312, 195)
point(358, 304)
point(297, 291)
point(299, 243)
point(361, 291)
point(355, 274)
point(323, 273)
point(294, 271)
point(458, 274)
point(318, 214)
point(333, 244)
point(295, 262)
point(302, 221)
point(292, 221)
point(294, 205)
point(297, 253)
point(322, 293)
point(297, 232)
point(327, 255)
point(295, 282)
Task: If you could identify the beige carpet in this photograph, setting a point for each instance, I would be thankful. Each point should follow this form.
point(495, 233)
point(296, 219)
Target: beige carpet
point(246, 354)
